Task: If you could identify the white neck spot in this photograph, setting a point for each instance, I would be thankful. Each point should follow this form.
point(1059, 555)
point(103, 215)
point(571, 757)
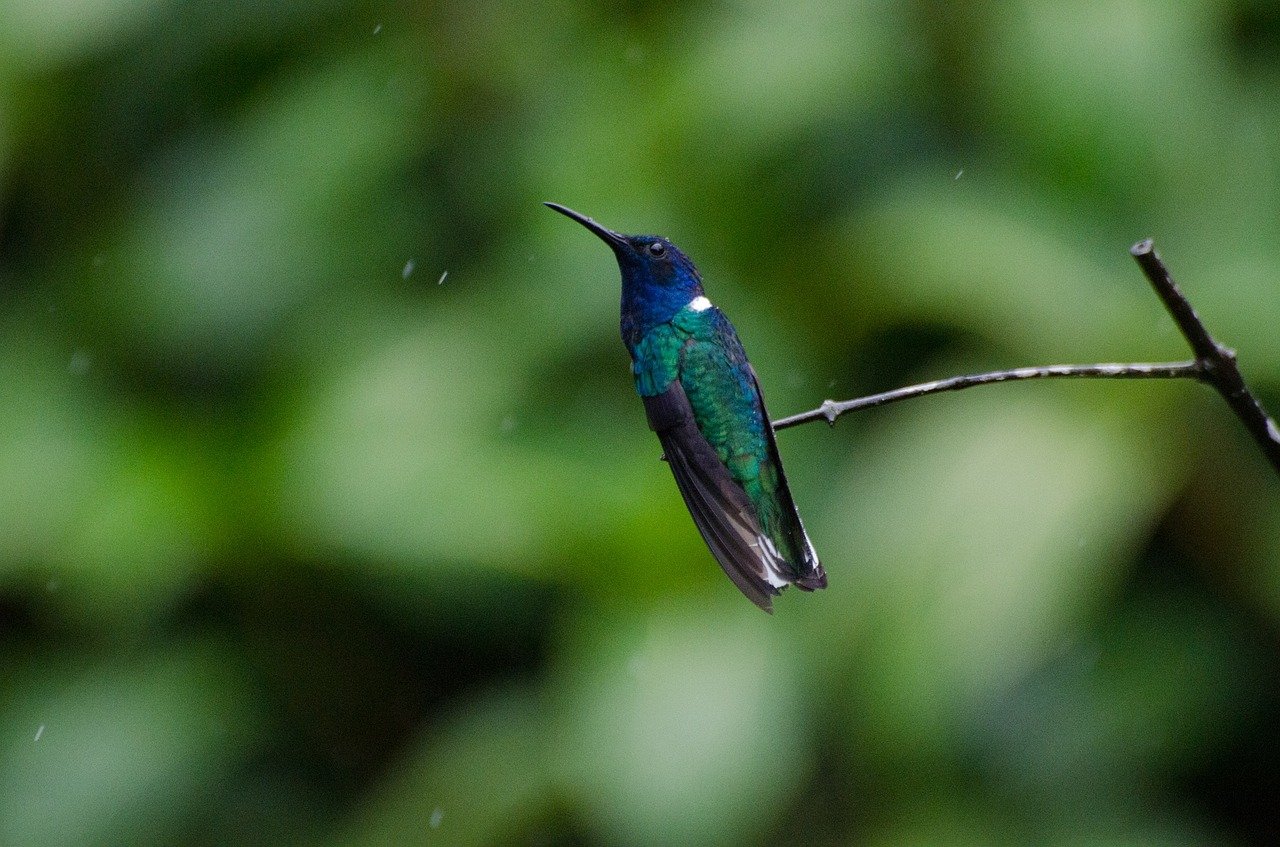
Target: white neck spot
point(699, 304)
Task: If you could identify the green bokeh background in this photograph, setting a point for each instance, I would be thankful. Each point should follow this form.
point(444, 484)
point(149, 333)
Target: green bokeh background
point(328, 515)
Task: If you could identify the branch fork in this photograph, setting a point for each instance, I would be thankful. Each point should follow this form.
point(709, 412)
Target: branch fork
point(1214, 364)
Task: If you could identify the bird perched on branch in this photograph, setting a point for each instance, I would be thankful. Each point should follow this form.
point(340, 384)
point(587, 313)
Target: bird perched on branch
point(703, 400)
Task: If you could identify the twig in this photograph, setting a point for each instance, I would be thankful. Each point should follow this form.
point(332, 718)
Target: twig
point(1216, 360)
point(830, 409)
point(1214, 364)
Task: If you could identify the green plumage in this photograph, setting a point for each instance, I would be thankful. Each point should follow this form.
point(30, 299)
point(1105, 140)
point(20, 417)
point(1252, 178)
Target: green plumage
point(700, 349)
point(702, 400)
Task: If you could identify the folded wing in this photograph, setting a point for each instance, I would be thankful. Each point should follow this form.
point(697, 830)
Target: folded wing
point(719, 506)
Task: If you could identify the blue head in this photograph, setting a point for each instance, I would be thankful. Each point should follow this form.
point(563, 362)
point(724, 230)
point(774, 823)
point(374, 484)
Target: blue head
point(657, 279)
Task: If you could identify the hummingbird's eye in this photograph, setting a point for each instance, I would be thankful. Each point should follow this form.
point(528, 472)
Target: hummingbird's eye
point(657, 249)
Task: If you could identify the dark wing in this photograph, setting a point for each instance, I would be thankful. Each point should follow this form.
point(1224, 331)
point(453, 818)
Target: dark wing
point(809, 572)
point(719, 506)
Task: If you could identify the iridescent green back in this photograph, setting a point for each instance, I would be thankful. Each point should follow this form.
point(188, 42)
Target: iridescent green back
point(702, 350)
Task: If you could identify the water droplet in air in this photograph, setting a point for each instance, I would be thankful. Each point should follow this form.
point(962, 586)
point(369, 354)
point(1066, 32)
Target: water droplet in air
point(508, 424)
point(959, 173)
point(39, 732)
point(408, 269)
point(440, 281)
point(377, 29)
point(436, 817)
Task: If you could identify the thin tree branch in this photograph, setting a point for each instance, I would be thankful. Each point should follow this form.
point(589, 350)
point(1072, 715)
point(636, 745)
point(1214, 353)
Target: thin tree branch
point(831, 409)
point(1214, 364)
point(1216, 360)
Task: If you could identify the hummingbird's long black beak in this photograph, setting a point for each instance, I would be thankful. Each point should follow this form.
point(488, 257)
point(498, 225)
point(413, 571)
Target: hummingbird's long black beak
point(613, 239)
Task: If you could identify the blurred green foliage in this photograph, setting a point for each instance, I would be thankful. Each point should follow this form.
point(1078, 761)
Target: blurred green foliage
point(328, 515)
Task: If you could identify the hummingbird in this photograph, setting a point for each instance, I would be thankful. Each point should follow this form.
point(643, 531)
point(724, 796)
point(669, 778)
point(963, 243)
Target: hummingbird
point(702, 398)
